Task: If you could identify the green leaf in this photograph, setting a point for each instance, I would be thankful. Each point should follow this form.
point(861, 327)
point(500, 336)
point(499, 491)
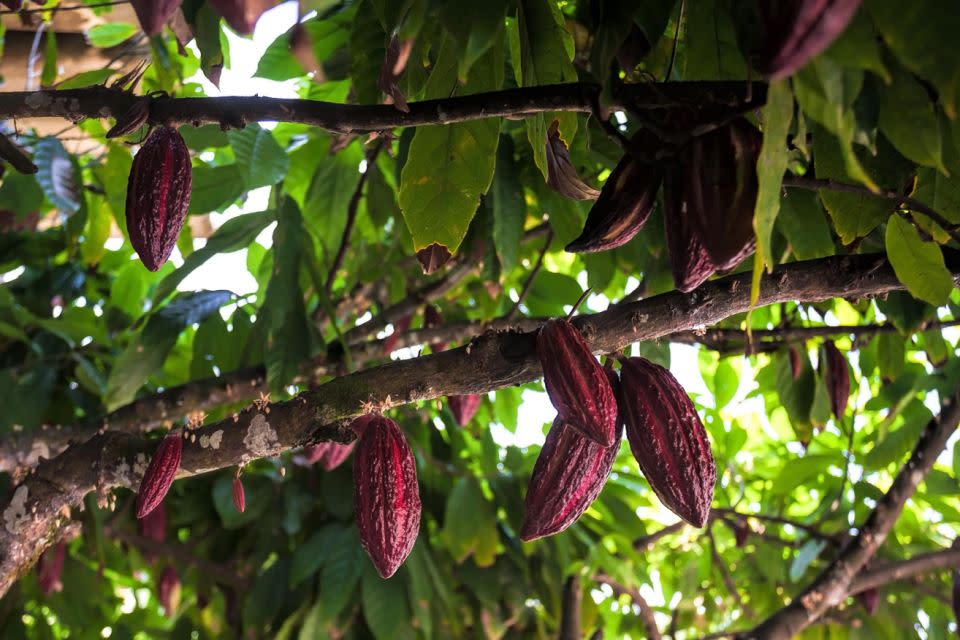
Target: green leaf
point(891, 354)
point(215, 188)
point(805, 557)
point(468, 522)
point(711, 48)
point(261, 161)
point(918, 264)
point(385, 606)
point(110, 34)
point(550, 292)
point(309, 556)
point(57, 175)
point(86, 79)
point(477, 26)
point(726, 381)
point(858, 47)
point(20, 193)
point(367, 50)
point(258, 492)
point(771, 165)
point(803, 223)
point(509, 208)
point(96, 231)
point(909, 120)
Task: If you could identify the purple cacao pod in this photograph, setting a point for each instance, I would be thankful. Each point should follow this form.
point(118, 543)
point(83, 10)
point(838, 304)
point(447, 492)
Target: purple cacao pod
point(689, 260)
point(870, 599)
point(168, 591)
point(576, 383)
point(464, 407)
point(159, 475)
point(242, 15)
point(239, 497)
point(796, 364)
point(625, 203)
point(838, 379)
point(567, 477)
point(153, 14)
point(386, 497)
point(797, 30)
point(400, 326)
point(158, 195)
point(153, 526)
point(432, 318)
point(667, 439)
point(330, 455)
point(50, 568)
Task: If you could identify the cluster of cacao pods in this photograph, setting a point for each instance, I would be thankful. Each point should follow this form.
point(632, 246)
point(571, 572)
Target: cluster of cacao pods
point(594, 407)
point(709, 194)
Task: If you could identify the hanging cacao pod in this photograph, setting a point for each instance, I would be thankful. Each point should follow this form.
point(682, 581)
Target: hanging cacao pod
point(153, 526)
point(168, 591)
point(576, 383)
point(838, 379)
point(159, 475)
point(386, 497)
point(158, 195)
point(667, 439)
point(432, 318)
point(153, 14)
point(561, 174)
point(625, 202)
point(794, 32)
point(50, 568)
point(567, 477)
point(239, 498)
point(741, 531)
point(464, 407)
point(330, 455)
point(870, 599)
point(796, 364)
point(400, 326)
point(242, 15)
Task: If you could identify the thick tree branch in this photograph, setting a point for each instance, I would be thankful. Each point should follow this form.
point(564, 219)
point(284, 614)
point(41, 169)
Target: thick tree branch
point(43, 501)
point(102, 102)
point(832, 585)
point(905, 570)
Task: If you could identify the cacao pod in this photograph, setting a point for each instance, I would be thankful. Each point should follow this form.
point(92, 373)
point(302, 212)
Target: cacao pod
point(741, 531)
point(870, 599)
point(576, 383)
point(796, 364)
point(464, 407)
point(394, 62)
point(242, 15)
point(796, 31)
point(838, 379)
point(667, 439)
point(158, 195)
point(239, 498)
point(159, 475)
point(561, 174)
point(330, 455)
point(386, 497)
point(153, 14)
point(567, 477)
point(400, 326)
point(50, 568)
point(168, 591)
point(13, 5)
point(153, 526)
point(431, 319)
point(689, 261)
point(625, 202)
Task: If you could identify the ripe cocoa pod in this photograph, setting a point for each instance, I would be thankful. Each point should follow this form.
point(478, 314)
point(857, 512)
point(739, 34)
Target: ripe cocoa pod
point(625, 203)
point(432, 318)
point(158, 195)
point(153, 14)
point(239, 498)
point(576, 383)
point(870, 600)
point(386, 497)
point(159, 475)
point(561, 174)
point(153, 526)
point(796, 364)
point(689, 261)
point(400, 326)
point(567, 477)
point(242, 15)
point(794, 32)
point(330, 455)
point(168, 591)
point(667, 439)
point(50, 568)
point(464, 407)
point(838, 379)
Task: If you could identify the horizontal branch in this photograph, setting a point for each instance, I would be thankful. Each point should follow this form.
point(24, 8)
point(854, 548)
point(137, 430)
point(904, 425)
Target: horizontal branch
point(905, 570)
point(43, 501)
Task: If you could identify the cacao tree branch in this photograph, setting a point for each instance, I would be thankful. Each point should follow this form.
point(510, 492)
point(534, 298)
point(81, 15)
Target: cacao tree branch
point(100, 102)
point(646, 611)
point(42, 502)
point(832, 585)
point(570, 618)
point(905, 569)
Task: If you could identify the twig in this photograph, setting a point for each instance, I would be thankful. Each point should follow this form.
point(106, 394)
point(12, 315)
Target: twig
point(809, 529)
point(646, 612)
point(533, 274)
point(647, 541)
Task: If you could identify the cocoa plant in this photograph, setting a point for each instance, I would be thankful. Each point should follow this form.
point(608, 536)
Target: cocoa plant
point(239, 497)
point(159, 475)
point(464, 407)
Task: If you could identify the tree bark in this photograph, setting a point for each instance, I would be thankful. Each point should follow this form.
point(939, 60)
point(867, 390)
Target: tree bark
point(570, 618)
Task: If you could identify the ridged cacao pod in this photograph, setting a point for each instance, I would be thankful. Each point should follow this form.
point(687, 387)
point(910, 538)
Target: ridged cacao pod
point(168, 591)
point(159, 474)
point(400, 326)
point(330, 455)
point(667, 439)
point(13, 5)
point(561, 174)
point(568, 476)
point(689, 261)
point(576, 383)
point(625, 203)
point(239, 498)
point(386, 497)
point(464, 407)
point(838, 379)
point(153, 14)
point(242, 15)
point(50, 568)
point(870, 599)
point(796, 31)
point(158, 195)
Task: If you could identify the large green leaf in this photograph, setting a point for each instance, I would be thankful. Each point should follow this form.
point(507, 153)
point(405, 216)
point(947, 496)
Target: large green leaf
point(261, 161)
point(917, 263)
point(771, 164)
point(509, 208)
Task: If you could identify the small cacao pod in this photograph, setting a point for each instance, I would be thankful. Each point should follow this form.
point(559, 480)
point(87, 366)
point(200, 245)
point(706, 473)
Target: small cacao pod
point(242, 15)
point(838, 379)
point(432, 318)
point(239, 498)
point(386, 497)
point(870, 600)
point(796, 31)
point(153, 526)
point(667, 439)
point(796, 364)
point(330, 455)
point(168, 591)
point(561, 174)
point(158, 195)
point(50, 568)
point(576, 383)
point(464, 407)
point(741, 531)
point(159, 475)
point(153, 14)
point(625, 202)
point(567, 477)
point(400, 326)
